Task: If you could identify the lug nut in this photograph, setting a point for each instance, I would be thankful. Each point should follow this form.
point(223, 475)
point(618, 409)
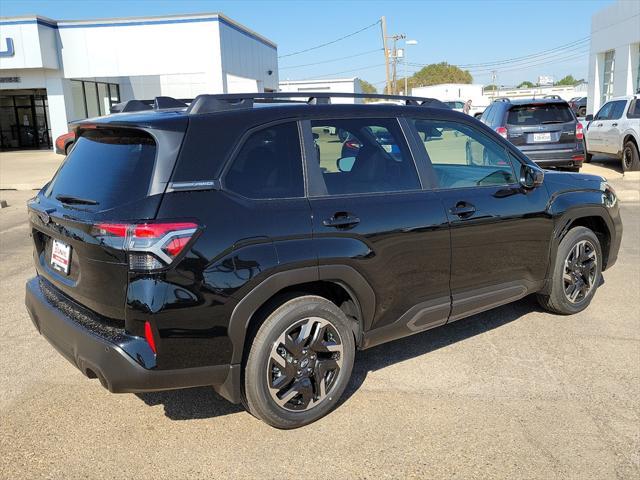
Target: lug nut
point(295, 362)
point(309, 370)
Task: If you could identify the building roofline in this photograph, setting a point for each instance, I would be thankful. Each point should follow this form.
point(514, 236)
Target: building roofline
point(318, 80)
point(126, 21)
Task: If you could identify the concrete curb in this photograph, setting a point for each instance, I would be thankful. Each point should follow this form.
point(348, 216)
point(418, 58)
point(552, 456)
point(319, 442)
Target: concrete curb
point(632, 176)
point(3, 204)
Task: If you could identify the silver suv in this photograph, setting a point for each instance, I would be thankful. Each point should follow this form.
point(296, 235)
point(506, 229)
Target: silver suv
point(615, 131)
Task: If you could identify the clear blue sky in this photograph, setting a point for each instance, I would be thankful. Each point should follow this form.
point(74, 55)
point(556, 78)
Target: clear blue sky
point(459, 32)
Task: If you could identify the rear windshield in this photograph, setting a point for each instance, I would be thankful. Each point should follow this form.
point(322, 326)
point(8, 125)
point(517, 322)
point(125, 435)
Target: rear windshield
point(539, 114)
point(105, 168)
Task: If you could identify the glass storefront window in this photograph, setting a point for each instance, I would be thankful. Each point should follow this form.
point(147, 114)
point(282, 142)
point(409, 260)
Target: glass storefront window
point(77, 97)
point(607, 77)
point(103, 97)
point(24, 120)
point(91, 97)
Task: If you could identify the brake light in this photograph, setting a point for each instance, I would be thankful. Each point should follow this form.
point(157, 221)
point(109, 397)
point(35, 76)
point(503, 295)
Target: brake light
point(579, 131)
point(150, 245)
point(148, 336)
point(353, 144)
point(502, 131)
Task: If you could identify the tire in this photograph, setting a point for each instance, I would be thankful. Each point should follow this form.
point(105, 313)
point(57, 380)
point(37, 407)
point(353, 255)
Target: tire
point(584, 274)
point(67, 149)
point(323, 341)
point(582, 112)
point(587, 157)
point(630, 158)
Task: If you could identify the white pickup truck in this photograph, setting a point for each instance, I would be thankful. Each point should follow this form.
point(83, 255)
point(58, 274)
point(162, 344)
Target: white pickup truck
point(615, 131)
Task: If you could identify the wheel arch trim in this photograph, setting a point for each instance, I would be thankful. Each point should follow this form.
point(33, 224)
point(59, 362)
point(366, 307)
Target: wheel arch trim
point(343, 275)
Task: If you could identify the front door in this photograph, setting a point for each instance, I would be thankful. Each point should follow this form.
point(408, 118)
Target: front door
point(371, 213)
point(500, 233)
point(611, 127)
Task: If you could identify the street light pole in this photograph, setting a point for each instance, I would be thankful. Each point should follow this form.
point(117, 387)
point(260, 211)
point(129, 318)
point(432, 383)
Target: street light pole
point(407, 43)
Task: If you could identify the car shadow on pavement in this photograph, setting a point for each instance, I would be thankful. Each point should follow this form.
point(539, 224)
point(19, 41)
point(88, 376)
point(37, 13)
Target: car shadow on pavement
point(190, 403)
point(204, 402)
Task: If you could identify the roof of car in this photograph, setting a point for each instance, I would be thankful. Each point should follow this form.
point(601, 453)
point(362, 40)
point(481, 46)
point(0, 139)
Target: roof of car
point(534, 101)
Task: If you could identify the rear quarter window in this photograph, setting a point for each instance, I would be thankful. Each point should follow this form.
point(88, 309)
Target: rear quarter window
point(539, 114)
point(108, 166)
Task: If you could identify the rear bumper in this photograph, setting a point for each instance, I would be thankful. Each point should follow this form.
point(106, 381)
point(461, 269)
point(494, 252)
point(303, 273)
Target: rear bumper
point(556, 158)
point(118, 361)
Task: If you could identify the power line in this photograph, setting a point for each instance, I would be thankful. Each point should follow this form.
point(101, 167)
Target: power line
point(566, 46)
point(377, 22)
point(534, 64)
point(332, 60)
point(580, 50)
point(344, 71)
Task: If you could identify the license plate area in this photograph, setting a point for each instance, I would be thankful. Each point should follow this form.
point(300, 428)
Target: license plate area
point(60, 256)
point(542, 137)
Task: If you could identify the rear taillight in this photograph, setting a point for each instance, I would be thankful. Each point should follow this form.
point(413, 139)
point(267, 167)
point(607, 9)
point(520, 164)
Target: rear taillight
point(150, 245)
point(579, 131)
point(502, 131)
point(353, 144)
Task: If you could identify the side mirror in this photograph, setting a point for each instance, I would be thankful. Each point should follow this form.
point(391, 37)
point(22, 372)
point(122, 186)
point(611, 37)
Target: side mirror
point(345, 164)
point(588, 118)
point(531, 177)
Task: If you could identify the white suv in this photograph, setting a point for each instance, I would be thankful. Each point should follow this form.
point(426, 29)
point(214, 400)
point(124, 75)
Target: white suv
point(615, 131)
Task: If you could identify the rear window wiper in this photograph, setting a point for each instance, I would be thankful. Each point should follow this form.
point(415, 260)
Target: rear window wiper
point(552, 121)
point(71, 200)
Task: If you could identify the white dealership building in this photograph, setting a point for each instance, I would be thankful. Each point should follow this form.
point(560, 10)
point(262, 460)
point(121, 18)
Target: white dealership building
point(614, 57)
point(54, 72)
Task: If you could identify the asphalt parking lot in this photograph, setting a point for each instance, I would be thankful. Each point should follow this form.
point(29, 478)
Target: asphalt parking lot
point(511, 393)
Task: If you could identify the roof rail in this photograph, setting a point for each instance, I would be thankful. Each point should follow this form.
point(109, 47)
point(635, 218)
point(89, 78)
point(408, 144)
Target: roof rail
point(231, 101)
point(132, 106)
point(502, 99)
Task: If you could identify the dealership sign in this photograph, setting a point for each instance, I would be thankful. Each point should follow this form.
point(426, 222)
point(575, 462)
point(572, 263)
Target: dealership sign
point(10, 51)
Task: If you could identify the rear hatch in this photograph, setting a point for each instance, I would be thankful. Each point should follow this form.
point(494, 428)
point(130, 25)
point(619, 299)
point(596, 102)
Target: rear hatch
point(541, 127)
point(106, 178)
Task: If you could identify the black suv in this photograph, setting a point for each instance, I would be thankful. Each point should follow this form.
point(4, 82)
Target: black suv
point(230, 244)
point(545, 129)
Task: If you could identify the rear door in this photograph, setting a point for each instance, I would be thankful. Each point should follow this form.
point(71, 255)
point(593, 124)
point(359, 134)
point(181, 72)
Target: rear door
point(106, 179)
point(612, 127)
point(500, 233)
point(371, 213)
point(542, 127)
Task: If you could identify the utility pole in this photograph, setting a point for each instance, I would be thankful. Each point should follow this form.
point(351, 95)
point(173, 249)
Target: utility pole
point(383, 26)
point(494, 76)
point(394, 56)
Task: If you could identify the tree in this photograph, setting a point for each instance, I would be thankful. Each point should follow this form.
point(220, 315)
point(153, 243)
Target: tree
point(438, 73)
point(568, 80)
point(367, 87)
point(490, 88)
point(526, 84)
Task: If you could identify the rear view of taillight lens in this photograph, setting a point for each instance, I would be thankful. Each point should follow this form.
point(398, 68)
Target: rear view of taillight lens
point(502, 131)
point(579, 131)
point(150, 245)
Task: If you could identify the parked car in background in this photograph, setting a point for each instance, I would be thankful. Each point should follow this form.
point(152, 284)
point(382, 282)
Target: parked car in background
point(215, 246)
point(64, 143)
point(544, 129)
point(615, 131)
point(579, 106)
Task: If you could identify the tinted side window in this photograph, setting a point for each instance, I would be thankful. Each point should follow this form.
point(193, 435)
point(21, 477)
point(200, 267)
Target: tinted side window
point(604, 112)
point(634, 109)
point(463, 157)
point(524, 115)
point(617, 109)
point(269, 164)
point(486, 115)
point(363, 155)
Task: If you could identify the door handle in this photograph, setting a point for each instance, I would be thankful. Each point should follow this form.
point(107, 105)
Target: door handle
point(341, 220)
point(463, 209)
point(614, 124)
point(599, 125)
